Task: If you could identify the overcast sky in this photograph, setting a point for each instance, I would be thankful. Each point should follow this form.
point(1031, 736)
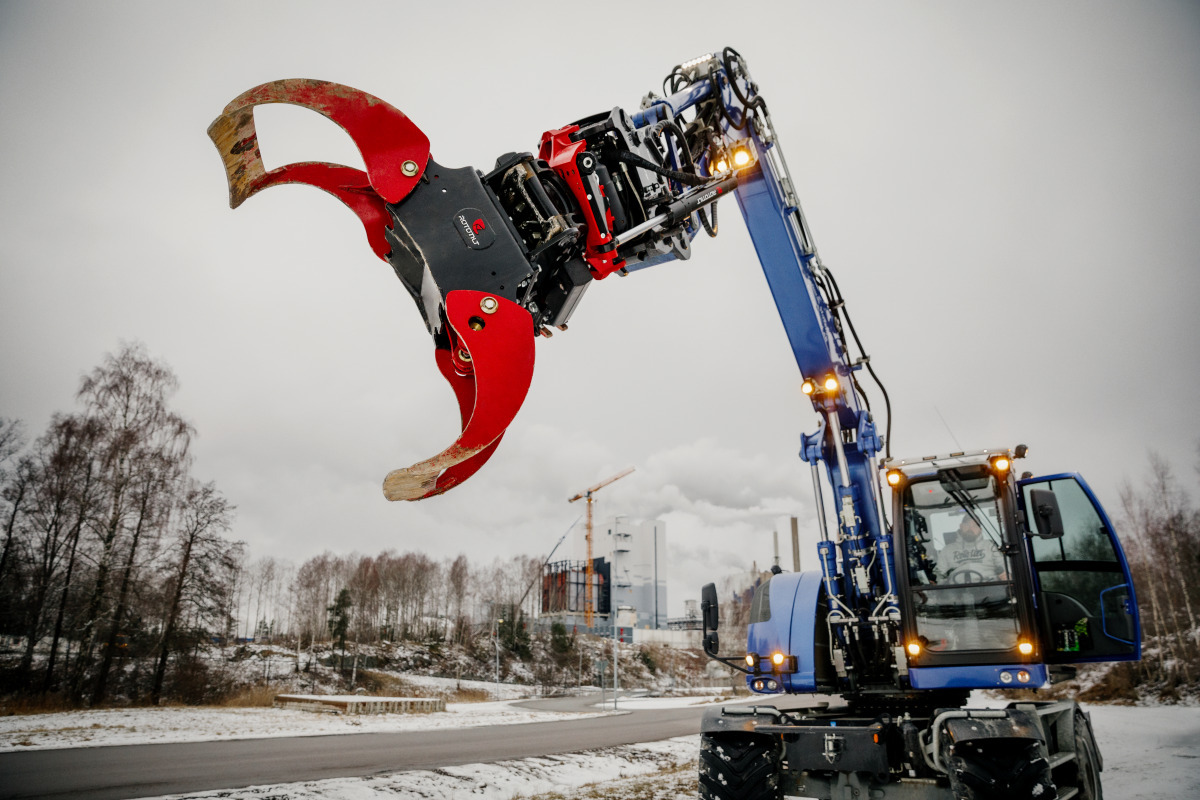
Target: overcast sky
point(1008, 193)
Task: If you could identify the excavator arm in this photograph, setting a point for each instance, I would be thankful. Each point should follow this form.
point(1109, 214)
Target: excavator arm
point(493, 260)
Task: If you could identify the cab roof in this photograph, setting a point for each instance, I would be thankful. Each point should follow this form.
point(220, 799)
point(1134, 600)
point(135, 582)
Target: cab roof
point(926, 464)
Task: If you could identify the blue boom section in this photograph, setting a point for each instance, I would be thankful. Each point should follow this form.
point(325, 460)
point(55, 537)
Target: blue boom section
point(859, 579)
point(841, 628)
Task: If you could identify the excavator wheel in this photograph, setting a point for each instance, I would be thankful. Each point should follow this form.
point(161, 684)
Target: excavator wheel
point(999, 769)
point(1087, 775)
point(740, 766)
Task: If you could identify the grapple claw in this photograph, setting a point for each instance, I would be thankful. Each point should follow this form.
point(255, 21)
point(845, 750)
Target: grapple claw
point(394, 150)
point(452, 242)
point(490, 366)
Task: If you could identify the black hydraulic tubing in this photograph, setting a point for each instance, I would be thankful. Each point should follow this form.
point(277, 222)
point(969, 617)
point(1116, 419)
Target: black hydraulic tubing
point(689, 178)
point(887, 442)
point(757, 102)
point(677, 132)
point(710, 229)
point(724, 112)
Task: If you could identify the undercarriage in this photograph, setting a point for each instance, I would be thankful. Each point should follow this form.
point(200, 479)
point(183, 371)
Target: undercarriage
point(1025, 750)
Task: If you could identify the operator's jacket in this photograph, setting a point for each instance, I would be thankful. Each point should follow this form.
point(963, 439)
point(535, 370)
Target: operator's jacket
point(979, 555)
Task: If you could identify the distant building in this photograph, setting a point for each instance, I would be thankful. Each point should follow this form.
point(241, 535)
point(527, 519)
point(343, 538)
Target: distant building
point(638, 567)
point(632, 577)
point(690, 621)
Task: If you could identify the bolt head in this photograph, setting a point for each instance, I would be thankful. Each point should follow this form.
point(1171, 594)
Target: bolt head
point(488, 305)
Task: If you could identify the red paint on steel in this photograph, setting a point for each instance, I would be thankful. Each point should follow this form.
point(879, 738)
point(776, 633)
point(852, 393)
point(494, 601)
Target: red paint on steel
point(384, 135)
point(560, 152)
point(346, 184)
point(500, 346)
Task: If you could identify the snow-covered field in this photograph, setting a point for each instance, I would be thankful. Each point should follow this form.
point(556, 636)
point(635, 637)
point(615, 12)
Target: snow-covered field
point(1149, 752)
point(159, 725)
point(651, 771)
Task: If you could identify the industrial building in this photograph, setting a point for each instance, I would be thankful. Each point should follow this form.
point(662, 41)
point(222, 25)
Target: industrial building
point(631, 579)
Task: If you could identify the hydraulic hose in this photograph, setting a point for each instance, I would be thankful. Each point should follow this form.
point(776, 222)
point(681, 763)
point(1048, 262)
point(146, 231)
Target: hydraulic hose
point(689, 178)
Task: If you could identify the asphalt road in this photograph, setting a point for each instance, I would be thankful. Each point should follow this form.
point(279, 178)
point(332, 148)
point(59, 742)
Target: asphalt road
point(158, 769)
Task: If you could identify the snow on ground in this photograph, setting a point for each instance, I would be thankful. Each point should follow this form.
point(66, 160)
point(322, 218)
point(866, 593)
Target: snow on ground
point(192, 724)
point(127, 726)
point(648, 703)
point(1149, 751)
point(611, 773)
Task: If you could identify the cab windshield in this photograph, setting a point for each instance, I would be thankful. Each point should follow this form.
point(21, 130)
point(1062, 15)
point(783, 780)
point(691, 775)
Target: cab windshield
point(959, 574)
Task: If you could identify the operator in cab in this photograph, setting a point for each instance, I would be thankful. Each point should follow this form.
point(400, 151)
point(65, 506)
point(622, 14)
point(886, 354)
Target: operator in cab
point(972, 557)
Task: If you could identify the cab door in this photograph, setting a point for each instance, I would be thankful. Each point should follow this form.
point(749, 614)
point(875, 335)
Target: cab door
point(1086, 605)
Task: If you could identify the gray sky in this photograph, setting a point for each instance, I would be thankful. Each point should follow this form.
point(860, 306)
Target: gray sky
point(1008, 193)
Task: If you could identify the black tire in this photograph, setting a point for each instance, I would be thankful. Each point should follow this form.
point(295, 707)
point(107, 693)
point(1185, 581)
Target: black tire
point(740, 766)
point(1087, 775)
point(999, 769)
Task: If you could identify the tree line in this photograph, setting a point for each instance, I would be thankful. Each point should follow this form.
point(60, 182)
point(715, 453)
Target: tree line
point(1163, 549)
point(387, 597)
point(111, 549)
point(117, 576)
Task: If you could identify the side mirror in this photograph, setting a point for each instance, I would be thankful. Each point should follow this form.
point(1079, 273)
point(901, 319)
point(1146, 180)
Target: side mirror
point(710, 617)
point(1045, 513)
point(709, 610)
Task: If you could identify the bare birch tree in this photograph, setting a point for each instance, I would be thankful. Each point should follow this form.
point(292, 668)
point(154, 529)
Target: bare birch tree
point(201, 568)
point(128, 397)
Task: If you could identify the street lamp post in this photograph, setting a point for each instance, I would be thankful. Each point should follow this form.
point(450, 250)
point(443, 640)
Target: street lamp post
point(496, 640)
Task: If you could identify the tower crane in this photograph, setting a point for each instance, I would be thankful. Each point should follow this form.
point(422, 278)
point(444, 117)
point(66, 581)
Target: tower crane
point(586, 494)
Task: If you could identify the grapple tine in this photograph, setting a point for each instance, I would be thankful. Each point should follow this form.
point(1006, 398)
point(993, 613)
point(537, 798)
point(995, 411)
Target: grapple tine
point(490, 368)
point(394, 150)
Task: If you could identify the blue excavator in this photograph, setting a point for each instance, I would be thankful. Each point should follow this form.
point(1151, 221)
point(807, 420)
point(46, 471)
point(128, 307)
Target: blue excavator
point(964, 576)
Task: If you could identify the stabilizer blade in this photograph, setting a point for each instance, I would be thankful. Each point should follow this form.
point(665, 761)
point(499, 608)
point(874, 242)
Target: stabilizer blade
point(490, 367)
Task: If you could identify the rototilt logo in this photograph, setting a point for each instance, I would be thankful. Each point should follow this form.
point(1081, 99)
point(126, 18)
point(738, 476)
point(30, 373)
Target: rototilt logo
point(475, 232)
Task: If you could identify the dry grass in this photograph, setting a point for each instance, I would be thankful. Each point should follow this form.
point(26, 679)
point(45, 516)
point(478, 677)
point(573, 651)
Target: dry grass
point(461, 695)
point(385, 684)
point(35, 704)
point(251, 697)
point(389, 685)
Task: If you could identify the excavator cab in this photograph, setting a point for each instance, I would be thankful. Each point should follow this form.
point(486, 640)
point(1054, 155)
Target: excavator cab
point(1001, 580)
point(961, 598)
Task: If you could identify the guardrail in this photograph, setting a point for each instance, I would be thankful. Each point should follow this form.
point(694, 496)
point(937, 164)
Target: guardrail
point(360, 704)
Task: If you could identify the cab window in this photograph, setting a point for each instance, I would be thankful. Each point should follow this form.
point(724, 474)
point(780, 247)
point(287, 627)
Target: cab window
point(962, 597)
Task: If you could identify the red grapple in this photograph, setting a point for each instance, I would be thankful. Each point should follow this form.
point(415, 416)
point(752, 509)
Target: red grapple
point(490, 367)
point(489, 362)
